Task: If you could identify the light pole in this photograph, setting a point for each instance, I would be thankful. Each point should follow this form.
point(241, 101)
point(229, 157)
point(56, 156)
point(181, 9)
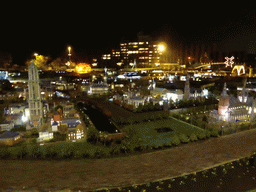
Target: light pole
point(35, 54)
point(69, 54)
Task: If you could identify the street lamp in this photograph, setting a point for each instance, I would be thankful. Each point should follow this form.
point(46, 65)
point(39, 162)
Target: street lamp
point(69, 54)
point(161, 48)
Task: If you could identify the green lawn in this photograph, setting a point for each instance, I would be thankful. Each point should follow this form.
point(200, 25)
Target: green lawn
point(148, 133)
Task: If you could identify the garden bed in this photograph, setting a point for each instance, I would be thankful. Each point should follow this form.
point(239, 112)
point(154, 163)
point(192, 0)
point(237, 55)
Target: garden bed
point(238, 175)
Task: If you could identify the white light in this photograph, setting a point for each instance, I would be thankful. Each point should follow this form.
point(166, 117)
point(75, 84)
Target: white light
point(121, 76)
point(229, 61)
point(24, 118)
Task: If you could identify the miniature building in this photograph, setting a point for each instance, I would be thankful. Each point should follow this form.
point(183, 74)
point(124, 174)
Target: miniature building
point(34, 101)
point(230, 109)
point(10, 138)
point(98, 89)
point(77, 133)
point(6, 126)
point(54, 126)
point(45, 136)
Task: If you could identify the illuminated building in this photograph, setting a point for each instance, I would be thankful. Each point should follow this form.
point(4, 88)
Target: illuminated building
point(143, 53)
point(34, 100)
point(83, 68)
point(231, 109)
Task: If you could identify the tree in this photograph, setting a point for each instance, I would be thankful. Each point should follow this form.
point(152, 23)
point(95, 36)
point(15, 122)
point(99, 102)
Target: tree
point(157, 106)
point(140, 108)
point(92, 135)
point(150, 106)
point(5, 58)
point(205, 118)
point(40, 62)
point(57, 64)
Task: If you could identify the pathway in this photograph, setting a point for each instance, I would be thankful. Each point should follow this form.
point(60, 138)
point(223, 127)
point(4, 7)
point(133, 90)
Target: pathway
point(88, 174)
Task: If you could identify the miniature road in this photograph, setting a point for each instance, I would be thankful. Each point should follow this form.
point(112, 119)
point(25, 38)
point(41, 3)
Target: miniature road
point(88, 174)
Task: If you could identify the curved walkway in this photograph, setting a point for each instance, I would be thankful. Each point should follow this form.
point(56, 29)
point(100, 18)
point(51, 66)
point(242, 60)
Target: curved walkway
point(88, 174)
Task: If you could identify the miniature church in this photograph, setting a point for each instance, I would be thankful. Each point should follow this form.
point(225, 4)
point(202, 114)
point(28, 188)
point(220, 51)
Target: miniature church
point(34, 100)
point(232, 109)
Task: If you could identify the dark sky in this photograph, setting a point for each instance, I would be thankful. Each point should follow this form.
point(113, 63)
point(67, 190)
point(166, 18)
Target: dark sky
point(94, 28)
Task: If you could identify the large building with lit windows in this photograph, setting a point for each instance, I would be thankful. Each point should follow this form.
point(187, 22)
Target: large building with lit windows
point(140, 53)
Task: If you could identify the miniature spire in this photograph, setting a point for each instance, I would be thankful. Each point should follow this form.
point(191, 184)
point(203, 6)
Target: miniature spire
point(187, 89)
point(224, 92)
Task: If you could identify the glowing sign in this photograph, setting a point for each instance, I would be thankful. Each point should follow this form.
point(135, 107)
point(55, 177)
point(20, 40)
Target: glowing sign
point(229, 61)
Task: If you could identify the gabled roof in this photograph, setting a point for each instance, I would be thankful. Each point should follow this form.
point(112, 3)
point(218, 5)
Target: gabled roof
point(54, 123)
point(9, 135)
point(234, 102)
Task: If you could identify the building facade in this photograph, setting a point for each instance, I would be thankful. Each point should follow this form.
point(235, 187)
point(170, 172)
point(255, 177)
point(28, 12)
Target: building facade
point(34, 100)
point(142, 52)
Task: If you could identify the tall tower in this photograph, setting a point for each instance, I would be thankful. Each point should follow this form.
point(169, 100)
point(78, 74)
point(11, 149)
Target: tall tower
point(187, 89)
point(34, 101)
point(223, 101)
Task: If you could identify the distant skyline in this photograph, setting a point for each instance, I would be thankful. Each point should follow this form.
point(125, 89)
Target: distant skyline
point(92, 30)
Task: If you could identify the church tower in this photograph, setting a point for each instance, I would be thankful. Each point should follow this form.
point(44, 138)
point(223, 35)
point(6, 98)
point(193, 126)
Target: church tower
point(34, 101)
point(187, 89)
point(223, 101)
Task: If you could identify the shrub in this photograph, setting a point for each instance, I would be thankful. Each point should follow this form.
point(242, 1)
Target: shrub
point(168, 143)
point(201, 135)
point(92, 152)
point(33, 151)
point(208, 134)
point(193, 137)
point(175, 140)
point(15, 152)
point(4, 153)
point(115, 149)
point(183, 138)
point(215, 133)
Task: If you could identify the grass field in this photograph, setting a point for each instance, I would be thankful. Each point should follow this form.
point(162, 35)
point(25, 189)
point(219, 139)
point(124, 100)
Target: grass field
point(148, 133)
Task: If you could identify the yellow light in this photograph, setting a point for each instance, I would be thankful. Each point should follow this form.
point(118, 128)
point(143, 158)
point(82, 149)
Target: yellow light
point(83, 68)
point(35, 54)
point(161, 48)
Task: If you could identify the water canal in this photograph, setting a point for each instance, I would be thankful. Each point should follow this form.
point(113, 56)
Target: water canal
point(101, 122)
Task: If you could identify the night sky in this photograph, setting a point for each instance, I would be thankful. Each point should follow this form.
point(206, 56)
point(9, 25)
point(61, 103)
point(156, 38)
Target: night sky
point(92, 29)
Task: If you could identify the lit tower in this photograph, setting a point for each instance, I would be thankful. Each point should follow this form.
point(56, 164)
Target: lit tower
point(34, 101)
point(223, 101)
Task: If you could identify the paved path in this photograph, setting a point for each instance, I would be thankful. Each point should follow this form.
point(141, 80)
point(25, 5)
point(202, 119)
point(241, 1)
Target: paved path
point(87, 174)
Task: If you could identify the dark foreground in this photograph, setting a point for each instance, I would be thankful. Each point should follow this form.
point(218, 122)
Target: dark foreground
point(89, 174)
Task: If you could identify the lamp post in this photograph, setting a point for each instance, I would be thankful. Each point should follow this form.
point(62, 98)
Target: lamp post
point(69, 54)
